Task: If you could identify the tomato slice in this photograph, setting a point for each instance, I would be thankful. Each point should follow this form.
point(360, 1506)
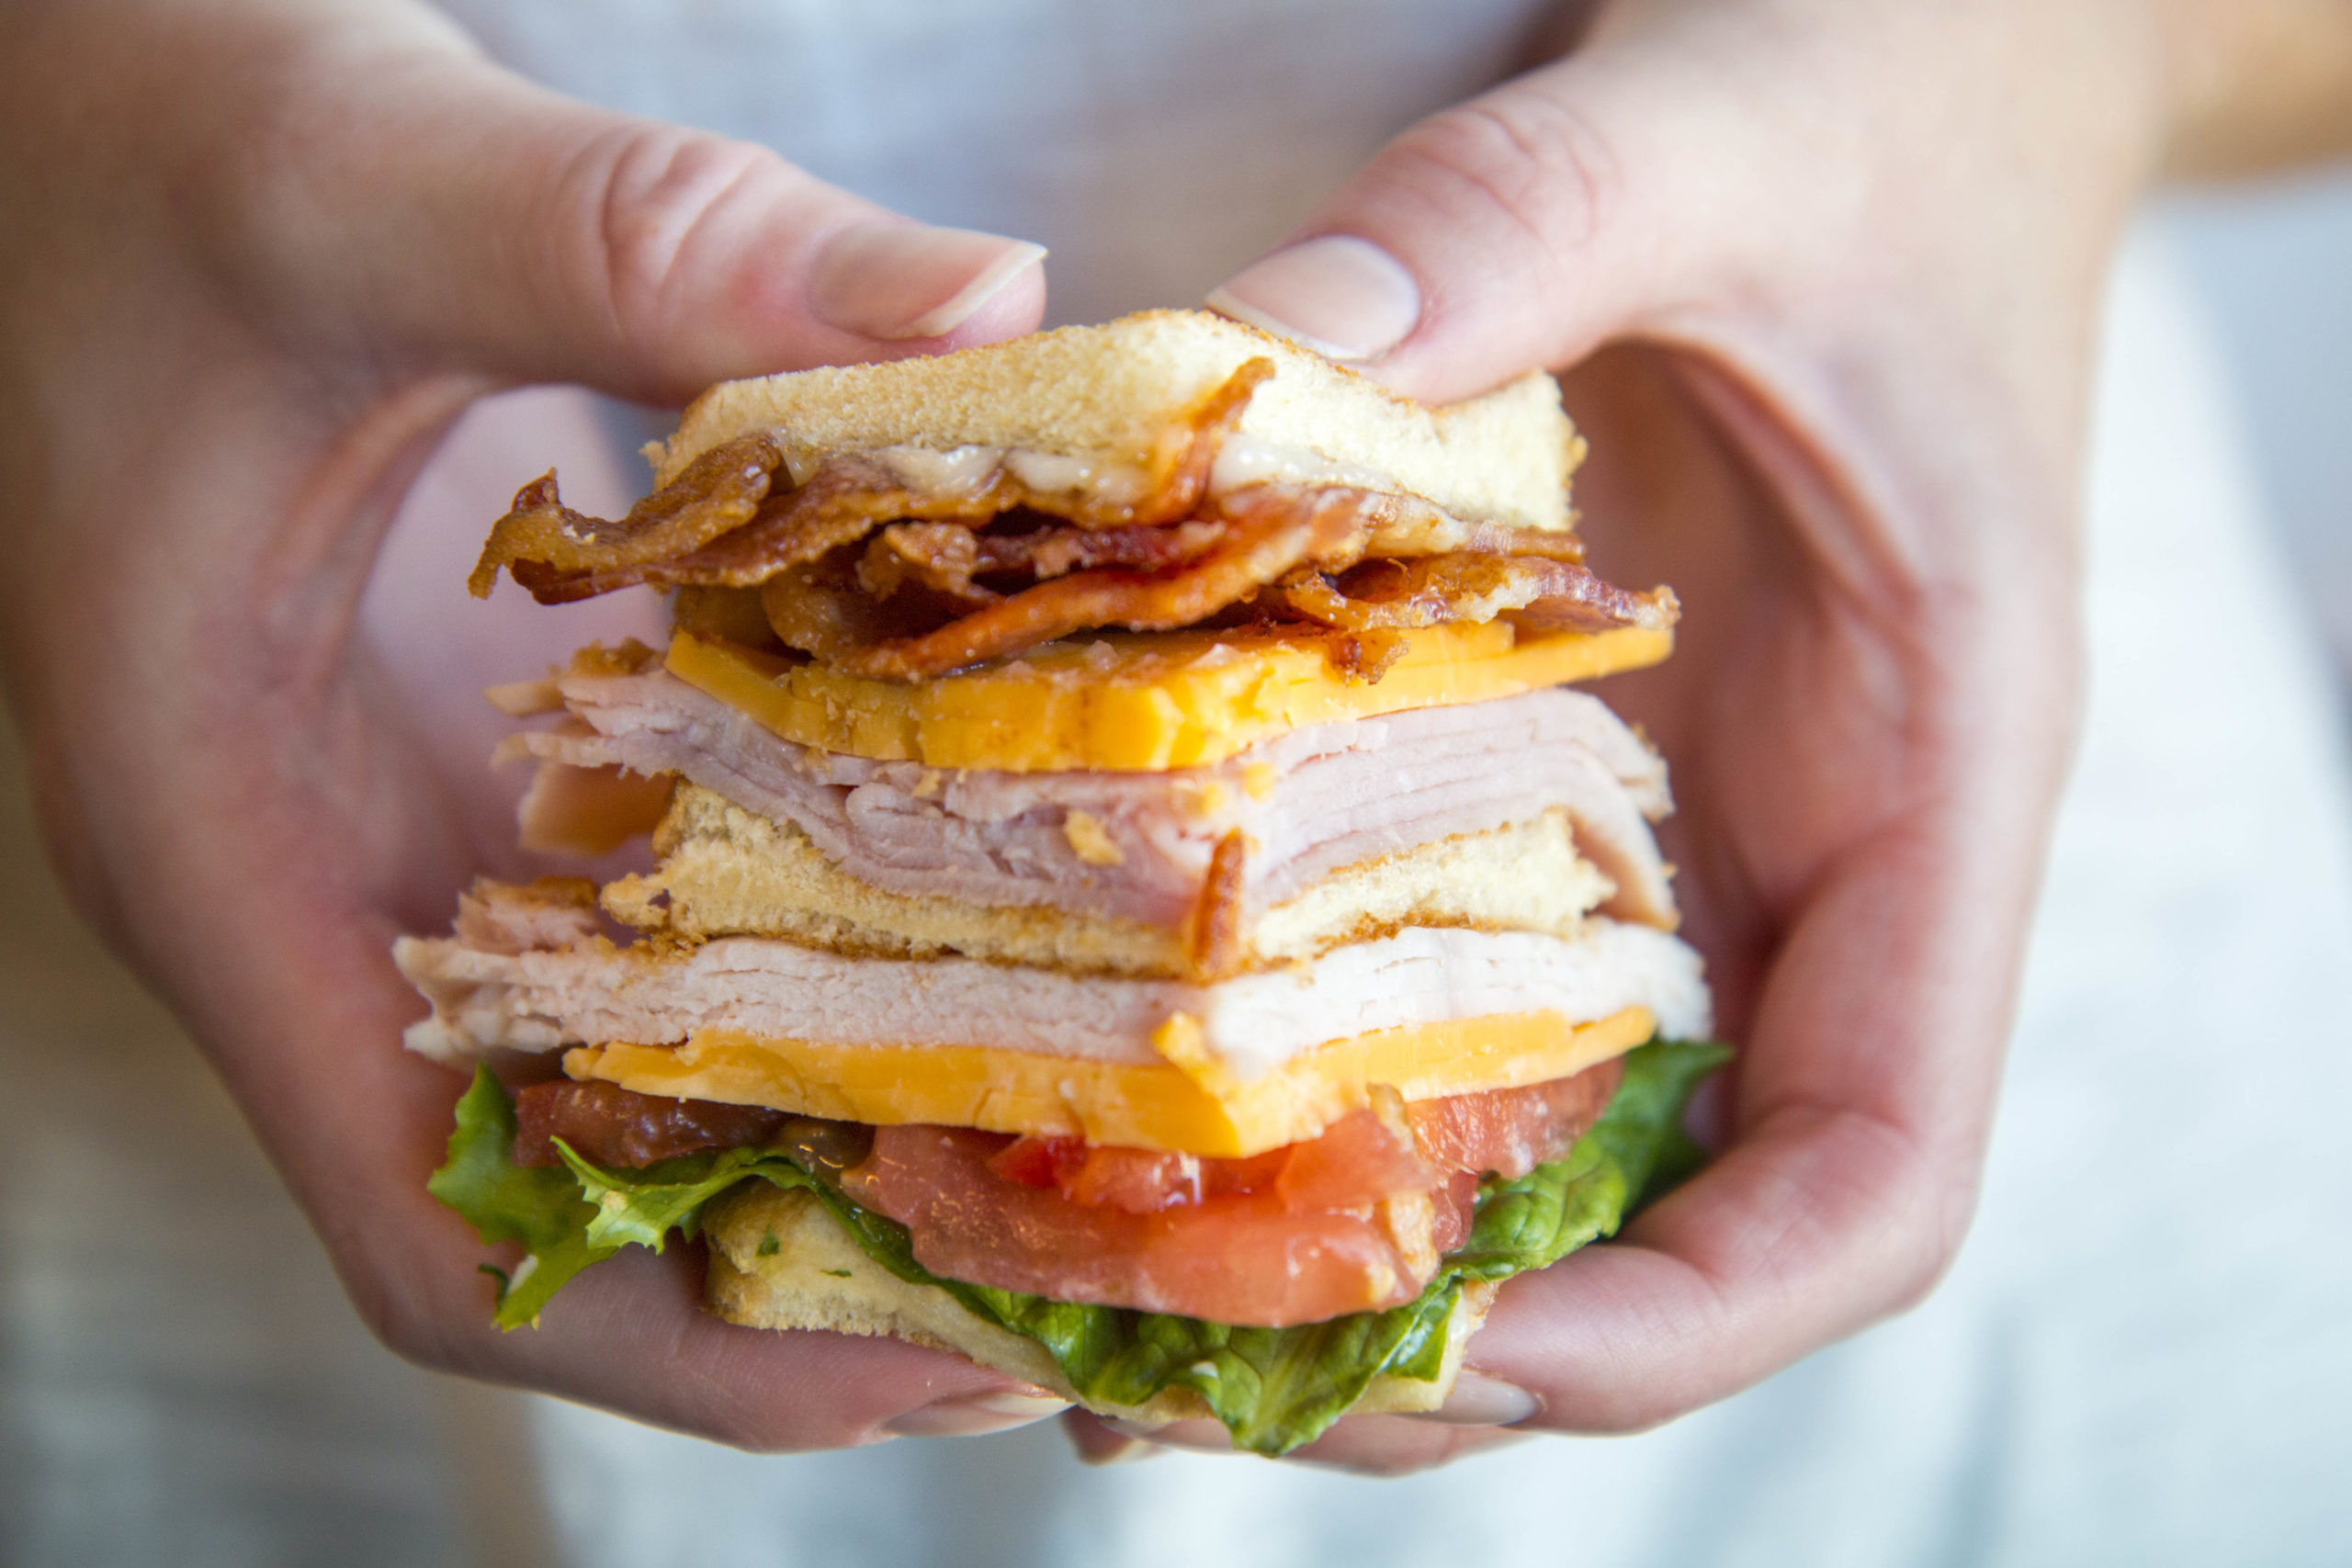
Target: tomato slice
point(1509, 1132)
point(1039, 1161)
point(1362, 1158)
point(1331, 1225)
point(1235, 1258)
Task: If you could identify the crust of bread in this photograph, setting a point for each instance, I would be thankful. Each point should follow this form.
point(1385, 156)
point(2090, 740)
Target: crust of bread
point(1105, 395)
point(779, 1260)
point(729, 872)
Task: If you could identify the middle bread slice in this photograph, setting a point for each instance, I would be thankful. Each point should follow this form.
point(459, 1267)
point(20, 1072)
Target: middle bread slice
point(726, 872)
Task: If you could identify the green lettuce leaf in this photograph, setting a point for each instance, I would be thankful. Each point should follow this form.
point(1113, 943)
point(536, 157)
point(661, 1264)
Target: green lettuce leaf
point(1273, 1388)
point(504, 1201)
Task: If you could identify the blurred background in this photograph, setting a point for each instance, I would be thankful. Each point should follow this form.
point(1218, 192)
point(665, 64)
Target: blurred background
point(181, 1380)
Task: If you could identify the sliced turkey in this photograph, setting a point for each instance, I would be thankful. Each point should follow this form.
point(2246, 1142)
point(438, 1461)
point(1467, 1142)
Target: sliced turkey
point(532, 969)
point(1138, 846)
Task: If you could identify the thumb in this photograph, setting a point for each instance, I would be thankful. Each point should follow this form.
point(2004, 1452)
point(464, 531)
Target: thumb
point(469, 220)
point(1514, 231)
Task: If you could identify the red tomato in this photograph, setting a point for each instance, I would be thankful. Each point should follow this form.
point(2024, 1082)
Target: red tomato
point(1240, 1258)
point(1509, 1132)
point(1296, 1235)
point(1361, 1159)
point(1038, 1161)
point(1142, 1181)
point(1457, 1204)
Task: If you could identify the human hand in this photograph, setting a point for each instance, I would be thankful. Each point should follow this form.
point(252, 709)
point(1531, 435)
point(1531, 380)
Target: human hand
point(258, 256)
point(1850, 256)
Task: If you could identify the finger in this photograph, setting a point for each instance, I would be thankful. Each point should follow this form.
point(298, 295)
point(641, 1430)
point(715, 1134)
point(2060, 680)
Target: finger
point(1519, 230)
point(1366, 1444)
point(356, 1129)
point(631, 1335)
point(1097, 1442)
point(479, 222)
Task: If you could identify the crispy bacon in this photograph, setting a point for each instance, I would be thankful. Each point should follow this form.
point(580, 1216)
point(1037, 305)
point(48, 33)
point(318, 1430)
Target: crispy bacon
point(1440, 589)
point(719, 491)
point(717, 524)
point(945, 557)
point(842, 502)
point(1187, 451)
point(1260, 543)
point(940, 556)
point(1056, 552)
point(1213, 931)
point(820, 609)
point(1271, 544)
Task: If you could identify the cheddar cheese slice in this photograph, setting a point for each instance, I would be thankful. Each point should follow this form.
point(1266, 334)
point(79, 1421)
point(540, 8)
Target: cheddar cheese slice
point(1142, 703)
point(1176, 1105)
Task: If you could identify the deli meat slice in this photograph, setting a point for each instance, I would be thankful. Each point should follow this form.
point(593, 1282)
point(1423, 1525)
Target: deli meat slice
point(1311, 802)
point(534, 969)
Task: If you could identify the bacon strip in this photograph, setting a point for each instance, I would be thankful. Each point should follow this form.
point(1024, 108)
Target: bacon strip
point(718, 525)
point(945, 557)
point(1212, 932)
point(841, 504)
point(1442, 590)
point(820, 609)
point(1055, 552)
point(940, 556)
point(1260, 544)
point(1270, 544)
point(719, 491)
point(1188, 450)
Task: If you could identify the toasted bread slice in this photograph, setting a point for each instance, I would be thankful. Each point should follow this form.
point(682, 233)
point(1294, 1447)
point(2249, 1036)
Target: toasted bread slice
point(779, 1260)
point(729, 872)
point(1091, 404)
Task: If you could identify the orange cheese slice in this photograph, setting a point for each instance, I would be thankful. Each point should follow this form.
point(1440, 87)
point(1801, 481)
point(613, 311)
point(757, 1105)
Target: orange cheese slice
point(1141, 703)
point(1172, 1105)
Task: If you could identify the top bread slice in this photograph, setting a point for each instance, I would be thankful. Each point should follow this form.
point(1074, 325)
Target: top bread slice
point(1104, 395)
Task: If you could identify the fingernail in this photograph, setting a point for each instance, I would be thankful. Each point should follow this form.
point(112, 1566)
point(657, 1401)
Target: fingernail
point(1477, 1400)
point(903, 280)
point(1342, 296)
point(975, 1415)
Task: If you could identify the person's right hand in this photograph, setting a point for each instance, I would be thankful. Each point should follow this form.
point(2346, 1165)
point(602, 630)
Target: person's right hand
point(1827, 274)
point(256, 259)
point(1843, 261)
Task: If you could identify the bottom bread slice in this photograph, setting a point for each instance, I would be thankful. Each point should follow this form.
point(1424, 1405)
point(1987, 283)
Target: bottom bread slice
point(779, 1260)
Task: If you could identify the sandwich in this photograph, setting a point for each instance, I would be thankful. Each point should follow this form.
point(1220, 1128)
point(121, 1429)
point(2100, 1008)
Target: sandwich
point(1135, 898)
